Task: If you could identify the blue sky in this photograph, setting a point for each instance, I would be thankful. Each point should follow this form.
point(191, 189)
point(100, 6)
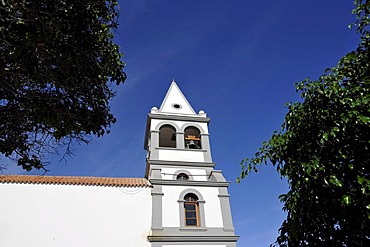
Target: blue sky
point(238, 61)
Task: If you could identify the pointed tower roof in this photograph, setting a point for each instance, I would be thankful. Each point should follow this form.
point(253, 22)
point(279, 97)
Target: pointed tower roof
point(175, 107)
point(175, 102)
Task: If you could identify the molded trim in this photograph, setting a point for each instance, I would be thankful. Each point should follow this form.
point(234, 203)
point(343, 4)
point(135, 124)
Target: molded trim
point(190, 231)
point(187, 191)
point(159, 125)
point(201, 130)
point(182, 149)
point(211, 239)
point(193, 229)
point(228, 195)
point(189, 183)
point(183, 171)
point(181, 163)
point(181, 118)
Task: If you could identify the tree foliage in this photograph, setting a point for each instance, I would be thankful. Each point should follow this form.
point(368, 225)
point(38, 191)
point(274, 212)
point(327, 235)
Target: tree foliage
point(57, 63)
point(323, 149)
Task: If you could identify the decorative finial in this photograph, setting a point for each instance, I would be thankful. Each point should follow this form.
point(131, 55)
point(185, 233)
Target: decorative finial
point(154, 109)
point(173, 80)
point(202, 113)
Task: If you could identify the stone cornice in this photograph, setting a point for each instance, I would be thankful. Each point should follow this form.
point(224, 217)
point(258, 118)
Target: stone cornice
point(193, 238)
point(180, 117)
point(189, 183)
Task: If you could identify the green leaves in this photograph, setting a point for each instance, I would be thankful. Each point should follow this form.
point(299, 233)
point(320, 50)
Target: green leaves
point(323, 149)
point(346, 199)
point(325, 136)
point(334, 180)
point(58, 59)
point(364, 119)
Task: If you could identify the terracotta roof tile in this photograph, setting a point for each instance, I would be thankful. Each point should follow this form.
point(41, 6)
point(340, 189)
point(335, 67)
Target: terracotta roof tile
point(74, 180)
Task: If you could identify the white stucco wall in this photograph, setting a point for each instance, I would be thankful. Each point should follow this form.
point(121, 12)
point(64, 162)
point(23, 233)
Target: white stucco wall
point(180, 155)
point(194, 245)
point(198, 174)
point(67, 215)
point(171, 213)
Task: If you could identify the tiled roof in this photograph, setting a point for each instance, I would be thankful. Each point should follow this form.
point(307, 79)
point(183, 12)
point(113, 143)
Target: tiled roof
point(74, 180)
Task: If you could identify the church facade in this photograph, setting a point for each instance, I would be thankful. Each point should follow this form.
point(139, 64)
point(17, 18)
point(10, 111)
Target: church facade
point(182, 201)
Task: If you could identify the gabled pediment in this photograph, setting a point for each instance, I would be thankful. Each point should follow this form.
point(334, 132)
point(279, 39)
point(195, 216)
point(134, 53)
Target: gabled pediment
point(175, 102)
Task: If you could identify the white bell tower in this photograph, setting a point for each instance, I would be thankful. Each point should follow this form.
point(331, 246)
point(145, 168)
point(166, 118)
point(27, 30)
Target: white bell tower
point(190, 200)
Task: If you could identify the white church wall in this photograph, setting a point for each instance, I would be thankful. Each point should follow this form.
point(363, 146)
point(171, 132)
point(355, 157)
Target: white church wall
point(194, 245)
point(197, 174)
point(68, 215)
point(181, 155)
point(171, 213)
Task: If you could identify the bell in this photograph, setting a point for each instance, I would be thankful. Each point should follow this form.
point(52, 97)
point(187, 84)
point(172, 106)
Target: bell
point(191, 144)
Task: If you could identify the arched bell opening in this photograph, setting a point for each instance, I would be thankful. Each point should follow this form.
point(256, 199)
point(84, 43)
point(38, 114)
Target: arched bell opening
point(192, 138)
point(167, 136)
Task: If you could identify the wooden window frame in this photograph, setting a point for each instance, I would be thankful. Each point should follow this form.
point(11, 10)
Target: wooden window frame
point(196, 206)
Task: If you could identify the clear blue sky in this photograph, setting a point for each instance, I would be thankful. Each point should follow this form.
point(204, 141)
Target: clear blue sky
point(237, 60)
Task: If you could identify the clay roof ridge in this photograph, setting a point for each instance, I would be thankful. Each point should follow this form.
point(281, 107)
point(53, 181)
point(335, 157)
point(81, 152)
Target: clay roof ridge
point(76, 180)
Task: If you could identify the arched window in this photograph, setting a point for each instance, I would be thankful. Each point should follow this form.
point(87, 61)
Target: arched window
point(182, 176)
point(191, 210)
point(167, 136)
point(192, 138)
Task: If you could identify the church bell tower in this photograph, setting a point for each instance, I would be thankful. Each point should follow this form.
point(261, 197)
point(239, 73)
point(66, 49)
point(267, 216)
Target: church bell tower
point(190, 200)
